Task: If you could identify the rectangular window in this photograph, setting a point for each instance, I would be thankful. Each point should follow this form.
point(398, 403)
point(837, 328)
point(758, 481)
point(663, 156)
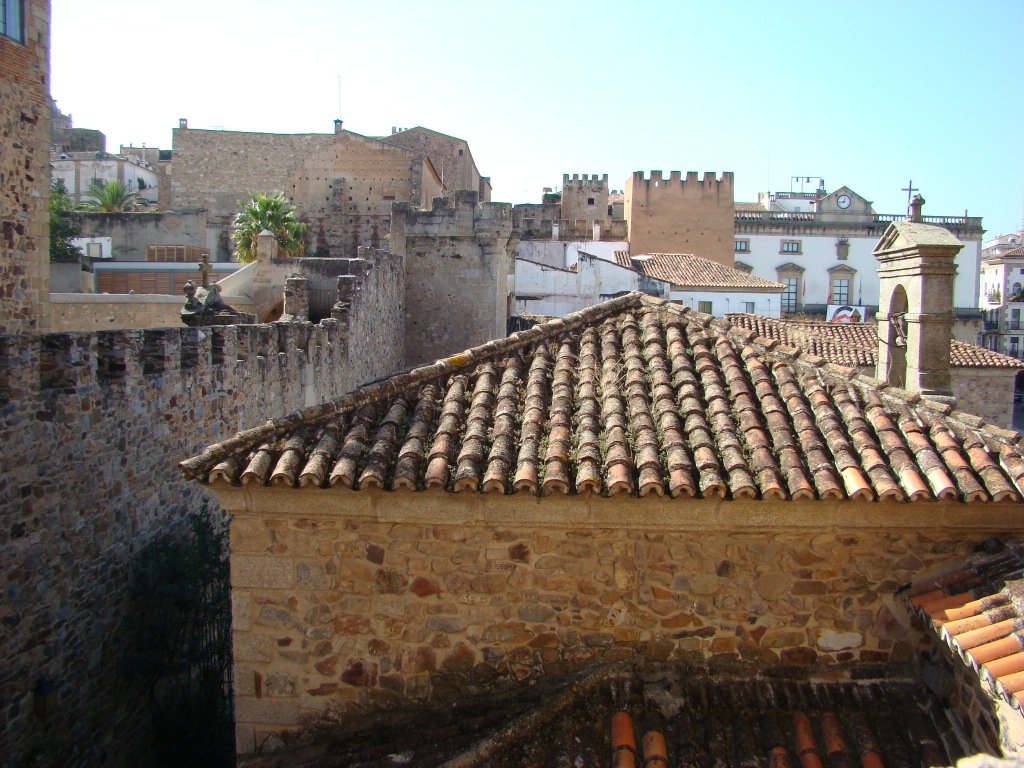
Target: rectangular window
point(10, 20)
point(590, 201)
point(94, 250)
point(1015, 346)
point(1014, 320)
point(790, 246)
point(841, 290)
point(748, 307)
point(704, 306)
point(790, 293)
point(742, 246)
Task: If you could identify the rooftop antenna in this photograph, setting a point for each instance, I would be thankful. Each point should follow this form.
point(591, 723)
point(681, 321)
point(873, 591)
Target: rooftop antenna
point(339, 95)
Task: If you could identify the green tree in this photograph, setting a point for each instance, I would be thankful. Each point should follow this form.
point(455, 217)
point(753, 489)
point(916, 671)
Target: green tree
point(267, 212)
point(63, 228)
point(110, 197)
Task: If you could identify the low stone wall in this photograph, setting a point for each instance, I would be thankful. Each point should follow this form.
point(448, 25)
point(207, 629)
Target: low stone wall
point(986, 392)
point(106, 312)
point(92, 425)
point(346, 602)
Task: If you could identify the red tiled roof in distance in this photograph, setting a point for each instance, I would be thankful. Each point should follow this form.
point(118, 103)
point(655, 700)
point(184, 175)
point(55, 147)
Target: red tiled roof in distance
point(856, 344)
point(635, 396)
point(689, 271)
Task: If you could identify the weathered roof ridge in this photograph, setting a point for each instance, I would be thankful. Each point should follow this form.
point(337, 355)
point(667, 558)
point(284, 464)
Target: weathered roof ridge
point(714, 409)
point(403, 382)
point(779, 352)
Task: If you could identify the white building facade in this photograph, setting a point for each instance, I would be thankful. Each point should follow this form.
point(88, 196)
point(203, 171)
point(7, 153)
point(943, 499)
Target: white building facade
point(81, 170)
point(1001, 298)
point(819, 245)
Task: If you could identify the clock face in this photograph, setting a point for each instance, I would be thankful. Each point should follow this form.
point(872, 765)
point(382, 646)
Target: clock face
point(843, 201)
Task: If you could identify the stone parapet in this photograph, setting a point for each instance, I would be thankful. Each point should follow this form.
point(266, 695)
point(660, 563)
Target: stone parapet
point(91, 424)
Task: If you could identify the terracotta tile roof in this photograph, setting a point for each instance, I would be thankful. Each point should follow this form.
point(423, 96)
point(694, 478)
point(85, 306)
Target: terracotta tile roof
point(693, 271)
point(730, 722)
point(978, 611)
point(634, 396)
point(856, 344)
point(749, 207)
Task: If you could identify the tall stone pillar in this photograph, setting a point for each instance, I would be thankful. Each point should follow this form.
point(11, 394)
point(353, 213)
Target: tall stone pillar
point(296, 299)
point(916, 269)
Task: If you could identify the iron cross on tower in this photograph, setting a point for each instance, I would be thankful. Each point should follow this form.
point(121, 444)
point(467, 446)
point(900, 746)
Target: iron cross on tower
point(910, 189)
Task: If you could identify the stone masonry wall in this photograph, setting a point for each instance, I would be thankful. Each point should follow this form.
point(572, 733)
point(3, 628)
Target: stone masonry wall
point(92, 425)
point(338, 614)
point(25, 173)
point(450, 157)
point(677, 215)
point(457, 261)
point(986, 392)
point(342, 184)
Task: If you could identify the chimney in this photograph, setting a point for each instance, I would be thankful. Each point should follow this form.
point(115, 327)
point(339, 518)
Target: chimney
point(337, 125)
point(914, 210)
point(916, 269)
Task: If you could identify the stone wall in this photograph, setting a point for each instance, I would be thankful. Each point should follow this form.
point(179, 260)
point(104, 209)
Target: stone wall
point(457, 261)
point(25, 171)
point(677, 215)
point(388, 600)
point(106, 312)
point(450, 157)
point(132, 232)
point(342, 184)
point(91, 425)
point(986, 392)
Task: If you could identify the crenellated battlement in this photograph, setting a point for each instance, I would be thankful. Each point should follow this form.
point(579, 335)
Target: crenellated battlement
point(676, 182)
point(677, 214)
point(593, 182)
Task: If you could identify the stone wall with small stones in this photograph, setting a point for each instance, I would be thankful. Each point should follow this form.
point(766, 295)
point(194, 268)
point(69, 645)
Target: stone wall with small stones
point(25, 173)
point(92, 425)
point(986, 392)
point(336, 615)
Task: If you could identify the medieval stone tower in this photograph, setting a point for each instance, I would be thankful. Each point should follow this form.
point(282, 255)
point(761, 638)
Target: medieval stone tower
point(915, 313)
point(457, 261)
point(584, 199)
point(677, 215)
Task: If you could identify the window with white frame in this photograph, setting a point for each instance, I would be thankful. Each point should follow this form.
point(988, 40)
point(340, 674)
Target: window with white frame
point(840, 290)
point(11, 20)
point(704, 306)
point(742, 246)
point(790, 294)
point(789, 246)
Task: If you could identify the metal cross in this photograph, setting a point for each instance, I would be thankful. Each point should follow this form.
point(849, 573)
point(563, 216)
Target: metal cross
point(910, 189)
point(204, 270)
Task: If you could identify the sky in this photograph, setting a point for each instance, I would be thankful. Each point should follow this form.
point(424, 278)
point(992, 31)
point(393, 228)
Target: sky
point(863, 93)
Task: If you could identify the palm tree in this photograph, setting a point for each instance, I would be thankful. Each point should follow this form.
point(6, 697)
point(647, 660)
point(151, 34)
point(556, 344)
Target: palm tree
point(110, 197)
point(267, 212)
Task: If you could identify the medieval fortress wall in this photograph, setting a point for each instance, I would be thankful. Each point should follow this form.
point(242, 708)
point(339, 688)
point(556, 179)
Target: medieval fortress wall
point(681, 215)
point(24, 173)
point(92, 425)
point(342, 184)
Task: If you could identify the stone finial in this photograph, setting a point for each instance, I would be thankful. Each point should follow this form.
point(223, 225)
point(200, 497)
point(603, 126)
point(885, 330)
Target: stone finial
point(914, 211)
point(204, 270)
point(266, 247)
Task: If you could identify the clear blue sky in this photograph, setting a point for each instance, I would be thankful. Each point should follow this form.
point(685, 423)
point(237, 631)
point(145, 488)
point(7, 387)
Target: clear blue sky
point(864, 93)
